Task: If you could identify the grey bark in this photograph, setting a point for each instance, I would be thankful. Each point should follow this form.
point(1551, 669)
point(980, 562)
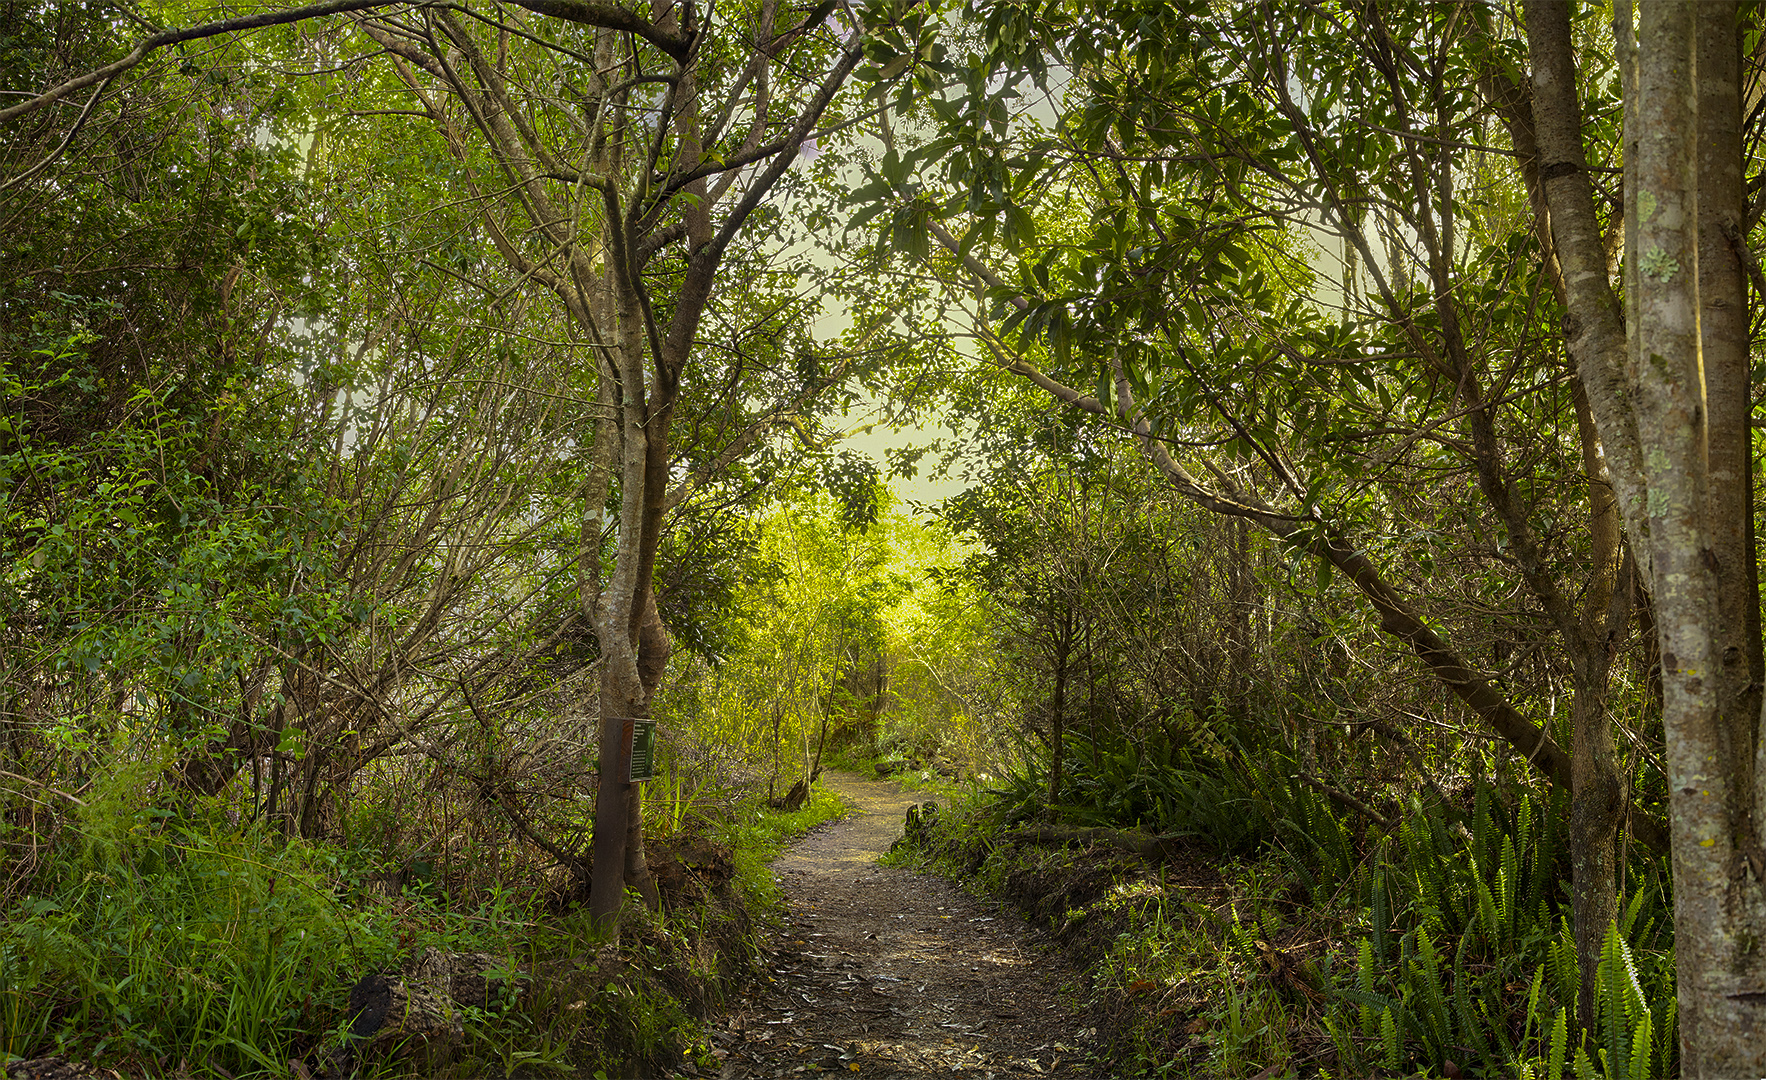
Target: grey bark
point(1593, 328)
point(1724, 347)
point(1719, 906)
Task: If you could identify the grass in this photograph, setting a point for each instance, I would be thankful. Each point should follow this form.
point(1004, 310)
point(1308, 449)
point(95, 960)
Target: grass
point(857, 760)
point(154, 945)
point(758, 835)
point(178, 945)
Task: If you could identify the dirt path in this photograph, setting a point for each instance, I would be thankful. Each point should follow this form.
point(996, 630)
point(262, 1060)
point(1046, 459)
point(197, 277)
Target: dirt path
point(896, 975)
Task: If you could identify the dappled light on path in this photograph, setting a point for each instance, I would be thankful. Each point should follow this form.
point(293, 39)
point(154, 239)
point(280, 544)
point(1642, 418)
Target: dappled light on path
point(888, 973)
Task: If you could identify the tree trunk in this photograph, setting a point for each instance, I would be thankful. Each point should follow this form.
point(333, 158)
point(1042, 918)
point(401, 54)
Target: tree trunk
point(1600, 796)
point(1719, 902)
point(1057, 737)
point(613, 803)
point(1724, 345)
point(1594, 332)
point(619, 819)
point(1597, 809)
point(654, 650)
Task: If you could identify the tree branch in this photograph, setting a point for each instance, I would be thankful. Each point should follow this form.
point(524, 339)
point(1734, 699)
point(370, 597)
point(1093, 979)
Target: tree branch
point(155, 42)
point(587, 13)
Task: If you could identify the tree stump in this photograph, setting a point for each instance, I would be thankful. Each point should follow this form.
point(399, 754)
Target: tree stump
point(413, 1013)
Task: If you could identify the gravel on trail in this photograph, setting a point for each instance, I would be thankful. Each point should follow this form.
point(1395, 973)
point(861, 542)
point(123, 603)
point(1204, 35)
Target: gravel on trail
point(889, 974)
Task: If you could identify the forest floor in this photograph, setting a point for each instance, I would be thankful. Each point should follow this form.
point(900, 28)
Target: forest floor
point(889, 973)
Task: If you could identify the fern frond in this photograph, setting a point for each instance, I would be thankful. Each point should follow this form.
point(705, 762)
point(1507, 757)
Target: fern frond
point(1584, 1067)
point(1389, 1038)
point(1617, 981)
point(1341, 1039)
point(1524, 846)
point(1379, 910)
point(1560, 1041)
point(1632, 910)
point(1507, 879)
point(1365, 977)
point(1668, 1041)
point(1638, 1068)
point(1482, 828)
point(1434, 997)
point(1627, 1026)
point(1471, 1027)
point(1487, 912)
point(1566, 971)
point(1533, 1006)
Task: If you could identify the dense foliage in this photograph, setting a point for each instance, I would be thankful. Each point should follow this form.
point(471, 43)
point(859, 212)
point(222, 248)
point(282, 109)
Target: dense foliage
point(396, 400)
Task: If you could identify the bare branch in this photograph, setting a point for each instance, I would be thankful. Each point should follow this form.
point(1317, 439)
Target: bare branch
point(158, 41)
point(55, 155)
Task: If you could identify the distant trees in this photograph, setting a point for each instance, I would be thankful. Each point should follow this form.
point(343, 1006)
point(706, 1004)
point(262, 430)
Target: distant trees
point(845, 637)
point(1101, 595)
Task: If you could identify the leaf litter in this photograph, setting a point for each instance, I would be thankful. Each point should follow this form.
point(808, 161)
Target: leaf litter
point(889, 974)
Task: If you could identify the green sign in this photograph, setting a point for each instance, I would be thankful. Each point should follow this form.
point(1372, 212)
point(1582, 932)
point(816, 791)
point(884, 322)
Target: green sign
point(643, 750)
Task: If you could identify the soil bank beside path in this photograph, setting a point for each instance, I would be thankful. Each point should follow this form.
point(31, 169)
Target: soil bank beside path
point(890, 974)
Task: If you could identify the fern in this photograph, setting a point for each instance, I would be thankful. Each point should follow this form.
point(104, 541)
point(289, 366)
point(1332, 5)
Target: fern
point(1365, 978)
point(1389, 1038)
point(1584, 1067)
point(1531, 1018)
point(1668, 1042)
point(1417, 846)
point(1533, 1006)
point(1543, 879)
point(1560, 1040)
point(1524, 847)
point(1487, 912)
point(1434, 999)
point(1507, 877)
point(1471, 1026)
point(1341, 1038)
point(1482, 829)
point(1622, 1009)
point(1632, 910)
point(1565, 972)
point(1638, 1068)
point(1442, 848)
point(1379, 912)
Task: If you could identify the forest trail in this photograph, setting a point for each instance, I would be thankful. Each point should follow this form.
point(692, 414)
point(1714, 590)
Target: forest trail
point(895, 975)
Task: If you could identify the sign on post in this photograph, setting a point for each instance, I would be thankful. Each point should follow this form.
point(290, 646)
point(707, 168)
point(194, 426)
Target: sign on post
point(643, 750)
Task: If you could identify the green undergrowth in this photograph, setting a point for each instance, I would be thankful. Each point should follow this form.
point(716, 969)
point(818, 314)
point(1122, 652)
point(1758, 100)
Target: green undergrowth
point(908, 773)
point(758, 835)
point(155, 943)
point(1277, 936)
